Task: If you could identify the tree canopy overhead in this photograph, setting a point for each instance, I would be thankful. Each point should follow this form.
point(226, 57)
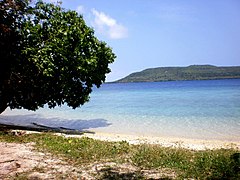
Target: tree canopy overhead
point(52, 57)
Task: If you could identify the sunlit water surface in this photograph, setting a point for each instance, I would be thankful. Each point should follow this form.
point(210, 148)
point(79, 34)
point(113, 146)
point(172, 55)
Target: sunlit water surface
point(191, 109)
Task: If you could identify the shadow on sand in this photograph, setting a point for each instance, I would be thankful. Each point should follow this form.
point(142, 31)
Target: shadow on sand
point(39, 123)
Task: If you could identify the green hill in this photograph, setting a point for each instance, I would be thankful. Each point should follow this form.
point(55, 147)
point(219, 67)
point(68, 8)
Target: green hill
point(193, 72)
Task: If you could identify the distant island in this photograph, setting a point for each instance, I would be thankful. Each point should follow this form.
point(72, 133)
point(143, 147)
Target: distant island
point(193, 72)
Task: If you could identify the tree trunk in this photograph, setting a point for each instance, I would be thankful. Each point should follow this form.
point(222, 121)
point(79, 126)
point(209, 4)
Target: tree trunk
point(3, 105)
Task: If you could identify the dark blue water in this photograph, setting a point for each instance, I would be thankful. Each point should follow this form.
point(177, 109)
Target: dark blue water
point(207, 109)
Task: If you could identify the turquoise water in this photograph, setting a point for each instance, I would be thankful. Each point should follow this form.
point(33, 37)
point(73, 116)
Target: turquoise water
point(207, 109)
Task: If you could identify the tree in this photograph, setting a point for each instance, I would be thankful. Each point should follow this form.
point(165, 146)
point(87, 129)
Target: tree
point(10, 14)
point(56, 58)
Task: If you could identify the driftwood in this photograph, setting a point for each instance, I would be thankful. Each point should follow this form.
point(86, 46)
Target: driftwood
point(42, 128)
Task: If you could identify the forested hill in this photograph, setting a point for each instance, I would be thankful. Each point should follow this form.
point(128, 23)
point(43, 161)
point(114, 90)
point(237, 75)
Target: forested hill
point(193, 72)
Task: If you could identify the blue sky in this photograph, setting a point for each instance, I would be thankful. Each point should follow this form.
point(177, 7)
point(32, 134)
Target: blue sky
point(155, 33)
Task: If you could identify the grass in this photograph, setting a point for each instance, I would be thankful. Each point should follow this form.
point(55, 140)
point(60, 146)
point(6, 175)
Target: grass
point(82, 150)
point(208, 164)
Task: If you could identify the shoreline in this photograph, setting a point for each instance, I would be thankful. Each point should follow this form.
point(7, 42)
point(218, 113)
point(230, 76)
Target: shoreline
point(191, 144)
point(137, 139)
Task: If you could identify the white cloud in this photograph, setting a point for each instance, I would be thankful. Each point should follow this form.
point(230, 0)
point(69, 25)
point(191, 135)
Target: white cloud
point(54, 1)
point(118, 31)
point(108, 26)
point(80, 9)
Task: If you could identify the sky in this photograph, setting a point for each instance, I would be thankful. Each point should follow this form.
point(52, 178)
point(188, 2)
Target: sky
point(158, 33)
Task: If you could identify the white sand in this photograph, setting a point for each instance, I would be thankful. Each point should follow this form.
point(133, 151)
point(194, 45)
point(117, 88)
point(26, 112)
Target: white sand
point(193, 144)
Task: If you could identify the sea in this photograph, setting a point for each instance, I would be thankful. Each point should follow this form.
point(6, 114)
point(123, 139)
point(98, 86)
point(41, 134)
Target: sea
point(202, 109)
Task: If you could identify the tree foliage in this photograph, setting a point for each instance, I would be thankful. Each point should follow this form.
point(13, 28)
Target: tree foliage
point(57, 58)
point(11, 12)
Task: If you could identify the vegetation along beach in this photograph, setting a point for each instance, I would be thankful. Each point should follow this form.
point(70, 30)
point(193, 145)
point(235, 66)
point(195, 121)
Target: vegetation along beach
point(119, 90)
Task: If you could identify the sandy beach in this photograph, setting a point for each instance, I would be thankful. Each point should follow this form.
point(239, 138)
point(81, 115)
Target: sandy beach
point(21, 158)
point(193, 144)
